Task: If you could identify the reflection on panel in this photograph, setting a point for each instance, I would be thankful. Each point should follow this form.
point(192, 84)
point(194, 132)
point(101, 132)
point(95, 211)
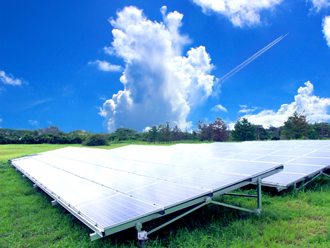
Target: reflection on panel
point(208, 179)
point(166, 193)
point(311, 161)
point(113, 210)
point(283, 178)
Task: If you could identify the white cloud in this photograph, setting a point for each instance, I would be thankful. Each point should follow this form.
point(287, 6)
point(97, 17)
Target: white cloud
point(146, 129)
point(50, 123)
point(239, 12)
point(106, 66)
point(9, 79)
point(319, 4)
point(219, 107)
point(326, 29)
point(159, 83)
point(315, 108)
point(246, 110)
point(34, 123)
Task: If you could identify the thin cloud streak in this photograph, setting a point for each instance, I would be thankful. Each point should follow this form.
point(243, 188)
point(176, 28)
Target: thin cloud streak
point(249, 60)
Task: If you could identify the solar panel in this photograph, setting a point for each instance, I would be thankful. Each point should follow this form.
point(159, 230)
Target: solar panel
point(111, 190)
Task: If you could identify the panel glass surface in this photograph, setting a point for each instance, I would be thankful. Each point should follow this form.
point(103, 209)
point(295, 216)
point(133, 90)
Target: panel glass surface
point(113, 210)
point(209, 180)
point(274, 159)
point(244, 157)
point(166, 193)
point(243, 167)
point(311, 161)
point(301, 168)
point(319, 154)
point(283, 178)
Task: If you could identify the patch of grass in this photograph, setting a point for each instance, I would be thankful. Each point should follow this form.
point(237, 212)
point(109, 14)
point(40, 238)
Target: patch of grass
point(288, 219)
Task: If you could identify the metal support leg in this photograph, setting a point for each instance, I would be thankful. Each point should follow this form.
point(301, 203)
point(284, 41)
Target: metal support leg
point(258, 210)
point(295, 186)
point(54, 203)
point(142, 235)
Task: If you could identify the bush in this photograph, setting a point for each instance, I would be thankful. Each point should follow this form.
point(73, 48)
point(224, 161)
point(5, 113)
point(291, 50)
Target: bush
point(96, 140)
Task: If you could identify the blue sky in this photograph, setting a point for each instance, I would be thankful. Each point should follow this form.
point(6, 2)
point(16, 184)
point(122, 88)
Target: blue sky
point(101, 65)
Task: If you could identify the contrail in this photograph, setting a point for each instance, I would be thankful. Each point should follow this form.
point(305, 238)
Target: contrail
point(249, 60)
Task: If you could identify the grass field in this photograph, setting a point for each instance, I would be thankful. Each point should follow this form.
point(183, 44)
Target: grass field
point(289, 219)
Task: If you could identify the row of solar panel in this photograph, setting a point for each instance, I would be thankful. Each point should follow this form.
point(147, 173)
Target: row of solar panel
point(112, 187)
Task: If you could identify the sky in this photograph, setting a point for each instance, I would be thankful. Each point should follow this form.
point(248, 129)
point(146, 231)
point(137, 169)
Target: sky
point(101, 65)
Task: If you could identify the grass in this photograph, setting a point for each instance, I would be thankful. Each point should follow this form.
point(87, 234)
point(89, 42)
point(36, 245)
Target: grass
point(289, 219)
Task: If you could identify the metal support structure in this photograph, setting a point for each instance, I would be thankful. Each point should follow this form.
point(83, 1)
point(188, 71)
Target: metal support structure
point(54, 203)
point(258, 210)
point(35, 186)
point(95, 236)
point(143, 235)
point(325, 174)
point(241, 195)
point(307, 181)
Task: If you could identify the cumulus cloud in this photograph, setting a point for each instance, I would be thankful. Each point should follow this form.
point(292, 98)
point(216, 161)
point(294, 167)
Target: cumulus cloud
point(146, 129)
point(9, 79)
point(319, 4)
point(33, 122)
point(239, 12)
point(106, 66)
point(326, 29)
point(219, 107)
point(159, 83)
point(315, 108)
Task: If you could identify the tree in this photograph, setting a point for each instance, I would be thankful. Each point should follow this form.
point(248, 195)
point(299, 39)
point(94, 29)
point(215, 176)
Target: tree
point(176, 133)
point(153, 133)
point(96, 140)
point(261, 132)
point(205, 131)
point(220, 130)
point(28, 139)
point(243, 130)
point(296, 126)
point(3, 139)
point(125, 133)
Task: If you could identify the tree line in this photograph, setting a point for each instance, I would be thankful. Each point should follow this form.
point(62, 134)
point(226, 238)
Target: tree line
point(296, 127)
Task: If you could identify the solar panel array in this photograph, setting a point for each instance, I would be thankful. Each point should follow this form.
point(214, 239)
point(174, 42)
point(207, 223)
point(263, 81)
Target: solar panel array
point(108, 188)
point(302, 159)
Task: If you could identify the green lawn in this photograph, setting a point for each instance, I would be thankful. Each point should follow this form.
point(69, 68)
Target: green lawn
point(289, 219)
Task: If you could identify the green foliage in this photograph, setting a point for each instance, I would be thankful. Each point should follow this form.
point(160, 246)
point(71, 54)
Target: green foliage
point(243, 130)
point(261, 133)
point(96, 140)
point(28, 139)
point(2, 139)
point(296, 126)
point(217, 130)
point(220, 130)
point(153, 133)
